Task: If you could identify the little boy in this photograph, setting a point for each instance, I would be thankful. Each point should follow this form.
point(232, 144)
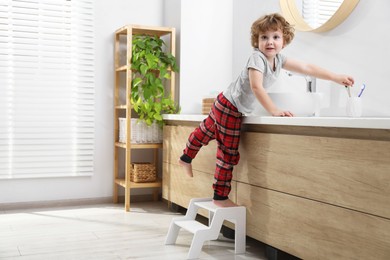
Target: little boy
point(269, 35)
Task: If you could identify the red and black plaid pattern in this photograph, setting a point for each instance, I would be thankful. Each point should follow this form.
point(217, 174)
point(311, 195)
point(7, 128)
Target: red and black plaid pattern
point(224, 125)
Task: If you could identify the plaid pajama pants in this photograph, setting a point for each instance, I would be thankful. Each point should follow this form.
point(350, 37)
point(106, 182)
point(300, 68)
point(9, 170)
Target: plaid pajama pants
point(224, 125)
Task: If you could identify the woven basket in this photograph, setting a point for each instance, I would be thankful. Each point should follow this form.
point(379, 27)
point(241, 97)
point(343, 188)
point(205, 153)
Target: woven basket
point(143, 172)
point(207, 103)
point(140, 132)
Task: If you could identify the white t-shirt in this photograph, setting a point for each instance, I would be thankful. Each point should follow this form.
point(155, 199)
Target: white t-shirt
point(240, 94)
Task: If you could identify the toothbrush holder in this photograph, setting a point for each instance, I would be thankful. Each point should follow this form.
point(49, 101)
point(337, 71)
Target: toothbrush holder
point(354, 107)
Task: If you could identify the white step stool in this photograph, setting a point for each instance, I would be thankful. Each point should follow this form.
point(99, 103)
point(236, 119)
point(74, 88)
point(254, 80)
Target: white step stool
point(202, 233)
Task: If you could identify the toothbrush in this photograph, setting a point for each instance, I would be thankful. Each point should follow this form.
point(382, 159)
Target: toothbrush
point(348, 90)
point(362, 89)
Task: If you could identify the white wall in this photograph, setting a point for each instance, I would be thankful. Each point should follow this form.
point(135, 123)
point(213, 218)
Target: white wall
point(206, 50)
point(359, 47)
point(110, 15)
point(172, 18)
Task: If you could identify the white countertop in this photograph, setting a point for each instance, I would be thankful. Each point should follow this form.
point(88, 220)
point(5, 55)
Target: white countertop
point(360, 122)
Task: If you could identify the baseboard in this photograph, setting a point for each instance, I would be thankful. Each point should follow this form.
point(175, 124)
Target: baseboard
point(70, 202)
point(54, 203)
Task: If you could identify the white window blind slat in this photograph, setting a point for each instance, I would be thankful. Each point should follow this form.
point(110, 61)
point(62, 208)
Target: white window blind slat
point(46, 88)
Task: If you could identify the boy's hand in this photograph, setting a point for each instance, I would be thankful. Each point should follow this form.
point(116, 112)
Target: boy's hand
point(282, 113)
point(344, 80)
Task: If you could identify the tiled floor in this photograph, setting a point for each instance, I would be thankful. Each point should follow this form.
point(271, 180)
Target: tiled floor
point(104, 231)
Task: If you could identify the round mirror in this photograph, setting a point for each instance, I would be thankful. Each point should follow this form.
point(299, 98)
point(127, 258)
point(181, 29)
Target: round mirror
point(317, 15)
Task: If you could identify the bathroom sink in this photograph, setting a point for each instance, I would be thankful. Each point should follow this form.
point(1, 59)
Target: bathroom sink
point(299, 103)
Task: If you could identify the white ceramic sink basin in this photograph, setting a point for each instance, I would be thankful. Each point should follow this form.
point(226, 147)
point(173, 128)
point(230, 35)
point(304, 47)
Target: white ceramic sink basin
point(299, 103)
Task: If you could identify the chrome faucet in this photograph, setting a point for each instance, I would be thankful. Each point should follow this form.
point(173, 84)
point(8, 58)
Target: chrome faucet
point(310, 81)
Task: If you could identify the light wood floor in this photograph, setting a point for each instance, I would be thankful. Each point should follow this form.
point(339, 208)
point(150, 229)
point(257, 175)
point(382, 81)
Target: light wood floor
point(104, 231)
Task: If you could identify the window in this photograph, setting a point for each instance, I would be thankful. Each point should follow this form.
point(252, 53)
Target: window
point(46, 88)
point(317, 12)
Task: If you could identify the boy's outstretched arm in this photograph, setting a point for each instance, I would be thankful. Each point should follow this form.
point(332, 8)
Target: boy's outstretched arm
point(318, 72)
point(256, 82)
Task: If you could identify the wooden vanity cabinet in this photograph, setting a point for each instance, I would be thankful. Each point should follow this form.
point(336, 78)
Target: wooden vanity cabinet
point(314, 192)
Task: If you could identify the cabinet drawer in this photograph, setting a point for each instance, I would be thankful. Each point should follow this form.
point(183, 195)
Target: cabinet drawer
point(352, 173)
point(311, 229)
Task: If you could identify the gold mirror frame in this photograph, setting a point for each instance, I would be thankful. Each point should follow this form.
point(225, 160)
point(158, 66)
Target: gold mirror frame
point(293, 16)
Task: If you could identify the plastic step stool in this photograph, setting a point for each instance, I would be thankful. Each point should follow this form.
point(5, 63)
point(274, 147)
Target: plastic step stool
point(202, 233)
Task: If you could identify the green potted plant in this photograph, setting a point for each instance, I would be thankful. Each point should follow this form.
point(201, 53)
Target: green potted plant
point(150, 66)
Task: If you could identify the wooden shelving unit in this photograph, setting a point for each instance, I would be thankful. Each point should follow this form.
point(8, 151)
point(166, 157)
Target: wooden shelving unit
point(122, 106)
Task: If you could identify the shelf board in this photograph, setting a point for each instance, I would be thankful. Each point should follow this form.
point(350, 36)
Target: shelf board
point(145, 30)
point(121, 107)
point(121, 68)
point(124, 68)
point(156, 184)
point(121, 145)
point(146, 145)
point(140, 146)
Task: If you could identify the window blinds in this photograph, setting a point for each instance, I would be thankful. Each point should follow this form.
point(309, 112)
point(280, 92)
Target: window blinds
point(317, 12)
point(46, 88)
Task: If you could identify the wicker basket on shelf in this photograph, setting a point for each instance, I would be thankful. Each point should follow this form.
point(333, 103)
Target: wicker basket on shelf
point(143, 172)
point(207, 103)
point(140, 132)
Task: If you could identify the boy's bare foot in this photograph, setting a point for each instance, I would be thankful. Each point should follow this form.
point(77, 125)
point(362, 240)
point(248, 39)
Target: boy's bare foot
point(187, 168)
point(224, 203)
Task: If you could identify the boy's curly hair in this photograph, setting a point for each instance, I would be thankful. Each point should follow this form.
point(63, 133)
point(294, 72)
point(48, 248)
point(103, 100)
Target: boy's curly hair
point(271, 22)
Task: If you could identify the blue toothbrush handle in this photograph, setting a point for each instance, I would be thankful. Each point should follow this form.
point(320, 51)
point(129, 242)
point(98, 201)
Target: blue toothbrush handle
point(362, 89)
